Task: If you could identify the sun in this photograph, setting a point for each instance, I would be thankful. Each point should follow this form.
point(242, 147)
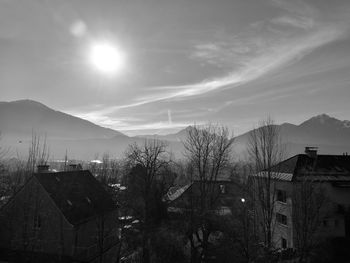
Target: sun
point(106, 57)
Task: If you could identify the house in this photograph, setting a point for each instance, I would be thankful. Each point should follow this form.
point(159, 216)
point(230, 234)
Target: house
point(219, 195)
point(62, 216)
point(312, 199)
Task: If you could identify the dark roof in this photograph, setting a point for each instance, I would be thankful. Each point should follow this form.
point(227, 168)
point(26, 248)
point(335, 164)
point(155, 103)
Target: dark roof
point(323, 167)
point(230, 190)
point(77, 194)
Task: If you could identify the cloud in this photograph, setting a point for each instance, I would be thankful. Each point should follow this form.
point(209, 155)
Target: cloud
point(275, 57)
point(246, 57)
point(296, 7)
point(266, 58)
point(153, 126)
point(298, 22)
point(170, 121)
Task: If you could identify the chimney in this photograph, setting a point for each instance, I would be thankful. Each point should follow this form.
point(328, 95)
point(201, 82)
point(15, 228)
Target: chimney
point(43, 168)
point(311, 152)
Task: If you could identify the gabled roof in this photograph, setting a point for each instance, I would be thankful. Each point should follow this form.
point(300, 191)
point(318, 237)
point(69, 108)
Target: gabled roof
point(320, 168)
point(77, 194)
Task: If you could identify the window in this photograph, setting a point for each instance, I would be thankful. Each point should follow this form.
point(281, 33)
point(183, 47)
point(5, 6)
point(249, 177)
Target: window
point(282, 219)
point(340, 209)
point(325, 223)
point(283, 243)
point(37, 222)
point(222, 188)
point(282, 196)
point(336, 223)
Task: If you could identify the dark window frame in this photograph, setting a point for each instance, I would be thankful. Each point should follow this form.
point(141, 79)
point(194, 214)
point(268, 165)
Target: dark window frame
point(282, 219)
point(37, 221)
point(281, 196)
point(283, 243)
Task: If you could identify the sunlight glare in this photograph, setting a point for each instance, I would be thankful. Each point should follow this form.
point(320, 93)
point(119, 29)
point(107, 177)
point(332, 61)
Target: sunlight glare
point(106, 57)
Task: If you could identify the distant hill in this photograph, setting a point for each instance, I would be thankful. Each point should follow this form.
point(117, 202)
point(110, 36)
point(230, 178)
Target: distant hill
point(85, 140)
point(330, 135)
point(20, 118)
point(172, 137)
point(81, 138)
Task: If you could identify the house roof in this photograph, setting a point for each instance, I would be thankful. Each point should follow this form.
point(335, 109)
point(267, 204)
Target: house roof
point(230, 188)
point(320, 168)
point(77, 194)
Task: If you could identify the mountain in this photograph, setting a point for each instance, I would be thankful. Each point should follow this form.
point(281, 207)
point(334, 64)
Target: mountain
point(81, 138)
point(330, 135)
point(172, 137)
point(19, 118)
point(85, 140)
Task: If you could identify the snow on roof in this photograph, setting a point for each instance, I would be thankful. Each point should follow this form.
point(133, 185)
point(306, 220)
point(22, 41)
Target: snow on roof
point(175, 192)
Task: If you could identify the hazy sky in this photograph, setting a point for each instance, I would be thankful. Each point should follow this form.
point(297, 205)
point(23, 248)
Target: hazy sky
point(186, 61)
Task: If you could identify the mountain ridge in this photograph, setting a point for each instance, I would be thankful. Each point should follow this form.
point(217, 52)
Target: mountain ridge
point(84, 139)
point(21, 117)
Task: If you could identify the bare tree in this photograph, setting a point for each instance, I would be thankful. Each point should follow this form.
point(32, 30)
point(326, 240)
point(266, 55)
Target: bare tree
point(106, 236)
point(3, 183)
point(265, 150)
point(309, 208)
point(208, 151)
point(3, 151)
point(147, 162)
point(38, 152)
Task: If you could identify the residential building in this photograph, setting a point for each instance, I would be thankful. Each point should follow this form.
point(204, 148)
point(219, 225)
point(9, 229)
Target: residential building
point(220, 195)
point(62, 216)
point(311, 199)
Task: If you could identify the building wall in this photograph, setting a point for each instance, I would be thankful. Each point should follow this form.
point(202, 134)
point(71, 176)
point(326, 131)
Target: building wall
point(282, 231)
point(97, 235)
point(333, 221)
point(32, 222)
point(20, 228)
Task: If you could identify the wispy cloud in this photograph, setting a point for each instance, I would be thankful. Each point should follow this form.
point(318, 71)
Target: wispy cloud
point(154, 126)
point(298, 22)
point(296, 7)
point(278, 55)
point(246, 57)
point(269, 57)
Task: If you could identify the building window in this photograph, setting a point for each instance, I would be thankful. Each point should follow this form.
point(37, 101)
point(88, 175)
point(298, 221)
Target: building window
point(282, 219)
point(340, 209)
point(37, 222)
point(336, 223)
point(325, 223)
point(222, 189)
point(282, 196)
point(283, 243)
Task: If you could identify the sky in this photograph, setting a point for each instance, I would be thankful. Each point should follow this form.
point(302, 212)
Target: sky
point(184, 62)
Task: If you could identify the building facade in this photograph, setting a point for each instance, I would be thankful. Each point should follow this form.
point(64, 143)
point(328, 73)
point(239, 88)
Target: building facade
point(66, 216)
point(311, 201)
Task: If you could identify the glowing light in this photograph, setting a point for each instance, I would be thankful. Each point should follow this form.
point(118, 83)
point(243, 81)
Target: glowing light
point(242, 200)
point(106, 57)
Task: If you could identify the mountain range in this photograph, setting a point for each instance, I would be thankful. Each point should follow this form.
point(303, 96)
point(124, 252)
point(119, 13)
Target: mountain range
point(85, 140)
